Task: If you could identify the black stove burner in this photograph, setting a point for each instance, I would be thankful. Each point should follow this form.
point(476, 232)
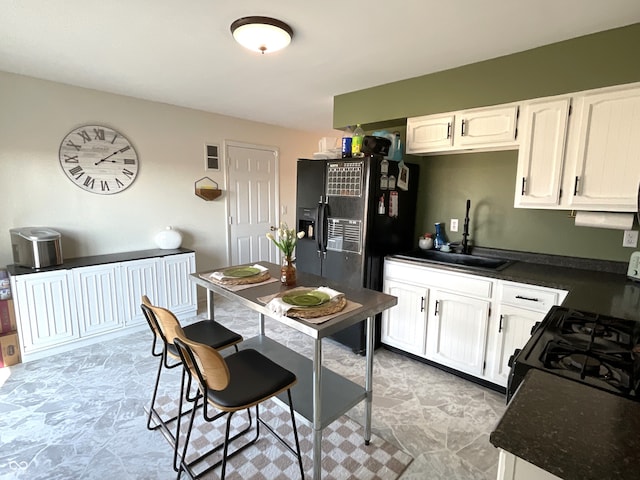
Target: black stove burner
point(597, 350)
point(582, 363)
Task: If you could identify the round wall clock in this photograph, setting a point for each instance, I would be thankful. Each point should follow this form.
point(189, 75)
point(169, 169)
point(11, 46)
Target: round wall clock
point(98, 159)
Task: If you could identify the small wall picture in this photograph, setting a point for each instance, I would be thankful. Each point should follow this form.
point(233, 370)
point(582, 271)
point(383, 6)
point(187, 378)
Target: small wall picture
point(211, 158)
point(403, 178)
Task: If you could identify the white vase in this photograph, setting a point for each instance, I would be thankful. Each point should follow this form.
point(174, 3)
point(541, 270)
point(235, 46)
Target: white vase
point(168, 239)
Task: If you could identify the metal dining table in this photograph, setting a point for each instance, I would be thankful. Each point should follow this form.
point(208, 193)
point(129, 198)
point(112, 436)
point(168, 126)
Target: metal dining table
point(321, 395)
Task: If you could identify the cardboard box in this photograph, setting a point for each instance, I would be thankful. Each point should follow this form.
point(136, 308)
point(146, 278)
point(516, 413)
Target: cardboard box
point(7, 317)
point(9, 350)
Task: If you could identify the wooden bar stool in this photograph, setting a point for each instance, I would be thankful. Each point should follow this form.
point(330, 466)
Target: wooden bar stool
point(228, 384)
point(208, 332)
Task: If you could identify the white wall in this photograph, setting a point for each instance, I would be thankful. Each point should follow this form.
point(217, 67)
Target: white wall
point(34, 117)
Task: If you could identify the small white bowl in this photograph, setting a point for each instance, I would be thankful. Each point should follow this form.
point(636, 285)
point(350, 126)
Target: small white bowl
point(425, 243)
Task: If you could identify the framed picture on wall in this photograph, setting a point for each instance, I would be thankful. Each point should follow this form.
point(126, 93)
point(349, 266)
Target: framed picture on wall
point(211, 157)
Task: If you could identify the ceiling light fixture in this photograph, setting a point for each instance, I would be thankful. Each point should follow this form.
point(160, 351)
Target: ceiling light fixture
point(261, 34)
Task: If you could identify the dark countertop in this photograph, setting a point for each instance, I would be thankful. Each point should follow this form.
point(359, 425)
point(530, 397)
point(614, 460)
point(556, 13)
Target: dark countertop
point(99, 260)
point(594, 286)
point(571, 430)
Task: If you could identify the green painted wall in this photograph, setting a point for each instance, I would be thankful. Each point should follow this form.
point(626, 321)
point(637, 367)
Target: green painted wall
point(488, 179)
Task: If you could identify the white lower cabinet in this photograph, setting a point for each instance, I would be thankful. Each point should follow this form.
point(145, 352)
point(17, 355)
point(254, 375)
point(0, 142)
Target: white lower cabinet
point(62, 309)
point(404, 326)
point(45, 309)
point(511, 467)
point(457, 331)
point(141, 277)
point(97, 298)
point(519, 308)
point(180, 296)
point(466, 322)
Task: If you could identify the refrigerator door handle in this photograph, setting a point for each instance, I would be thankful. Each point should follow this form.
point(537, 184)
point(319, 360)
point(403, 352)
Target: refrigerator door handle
point(325, 228)
point(319, 228)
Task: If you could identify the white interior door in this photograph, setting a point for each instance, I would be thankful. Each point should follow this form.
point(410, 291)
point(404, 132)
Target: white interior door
point(253, 202)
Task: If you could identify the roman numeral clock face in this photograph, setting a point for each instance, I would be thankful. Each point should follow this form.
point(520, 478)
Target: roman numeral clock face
point(98, 159)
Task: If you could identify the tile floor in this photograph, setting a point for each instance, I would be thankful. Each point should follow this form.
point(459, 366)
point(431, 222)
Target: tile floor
point(79, 415)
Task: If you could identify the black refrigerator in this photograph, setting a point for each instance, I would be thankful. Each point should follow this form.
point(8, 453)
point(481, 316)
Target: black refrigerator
point(353, 214)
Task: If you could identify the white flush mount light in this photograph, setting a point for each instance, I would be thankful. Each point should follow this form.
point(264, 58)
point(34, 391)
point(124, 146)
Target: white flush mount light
point(261, 34)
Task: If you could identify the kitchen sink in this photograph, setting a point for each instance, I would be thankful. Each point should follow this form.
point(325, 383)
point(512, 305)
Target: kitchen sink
point(449, 258)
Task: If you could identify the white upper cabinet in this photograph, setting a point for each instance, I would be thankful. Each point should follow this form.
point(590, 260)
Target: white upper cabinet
point(487, 128)
point(430, 133)
point(605, 161)
point(541, 154)
point(581, 151)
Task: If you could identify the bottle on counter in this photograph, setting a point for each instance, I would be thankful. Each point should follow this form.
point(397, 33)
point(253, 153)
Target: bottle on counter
point(356, 142)
point(397, 147)
point(346, 143)
point(440, 239)
point(381, 208)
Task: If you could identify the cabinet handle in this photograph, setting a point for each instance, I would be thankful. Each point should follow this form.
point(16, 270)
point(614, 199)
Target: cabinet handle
point(448, 130)
point(437, 305)
point(422, 304)
point(462, 133)
point(530, 299)
point(575, 186)
point(500, 325)
point(524, 182)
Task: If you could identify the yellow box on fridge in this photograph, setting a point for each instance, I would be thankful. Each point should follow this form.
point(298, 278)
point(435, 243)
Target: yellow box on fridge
point(9, 349)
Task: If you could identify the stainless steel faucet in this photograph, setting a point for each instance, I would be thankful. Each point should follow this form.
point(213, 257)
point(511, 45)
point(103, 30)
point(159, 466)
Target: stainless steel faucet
point(465, 234)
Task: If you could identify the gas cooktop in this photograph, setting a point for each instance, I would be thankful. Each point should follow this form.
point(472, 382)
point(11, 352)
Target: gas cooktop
point(597, 350)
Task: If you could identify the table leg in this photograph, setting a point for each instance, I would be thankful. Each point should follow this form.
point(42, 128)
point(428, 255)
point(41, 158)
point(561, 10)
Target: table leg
point(368, 381)
point(210, 303)
point(317, 410)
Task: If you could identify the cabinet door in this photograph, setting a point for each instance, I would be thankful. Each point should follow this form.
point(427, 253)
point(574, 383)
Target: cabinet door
point(180, 292)
point(405, 325)
point(457, 331)
point(97, 298)
point(140, 277)
point(45, 309)
point(484, 126)
point(541, 155)
point(514, 330)
point(607, 169)
point(429, 133)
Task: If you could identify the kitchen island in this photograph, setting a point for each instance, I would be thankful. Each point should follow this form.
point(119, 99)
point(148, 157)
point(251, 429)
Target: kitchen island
point(320, 396)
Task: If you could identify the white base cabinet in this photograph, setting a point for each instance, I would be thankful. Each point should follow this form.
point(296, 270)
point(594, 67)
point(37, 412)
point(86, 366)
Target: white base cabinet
point(470, 323)
point(405, 325)
point(59, 310)
point(97, 298)
point(141, 277)
point(511, 467)
point(441, 316)
point(46, 313)
point(457, 331)
point(519, 308)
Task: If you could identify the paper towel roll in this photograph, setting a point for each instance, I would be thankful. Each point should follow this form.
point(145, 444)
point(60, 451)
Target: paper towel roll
point(616, 221)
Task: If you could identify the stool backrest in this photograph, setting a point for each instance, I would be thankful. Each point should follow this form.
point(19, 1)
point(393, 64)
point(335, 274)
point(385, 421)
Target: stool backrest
point(167, 323)
point(149, 315)
point(207, 366)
